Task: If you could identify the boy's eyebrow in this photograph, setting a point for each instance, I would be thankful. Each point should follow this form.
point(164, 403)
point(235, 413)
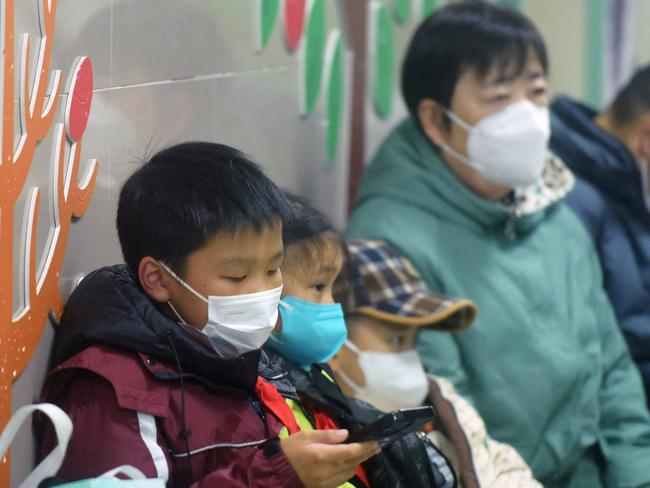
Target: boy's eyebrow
point(499, 80)
point(247, 261)
point(278, 255)
point(237, 261)
point(535, 74)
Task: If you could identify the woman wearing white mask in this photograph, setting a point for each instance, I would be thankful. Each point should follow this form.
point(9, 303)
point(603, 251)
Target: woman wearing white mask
point(466, 189)
point(386, 305)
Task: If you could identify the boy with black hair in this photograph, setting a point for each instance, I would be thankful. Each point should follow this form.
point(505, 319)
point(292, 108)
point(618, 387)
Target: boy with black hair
point(466, 190)
point(609, 153)
point(157, 362)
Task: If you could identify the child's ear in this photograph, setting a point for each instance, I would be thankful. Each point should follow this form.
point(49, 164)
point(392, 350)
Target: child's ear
point(432, 121)
point(153, 279)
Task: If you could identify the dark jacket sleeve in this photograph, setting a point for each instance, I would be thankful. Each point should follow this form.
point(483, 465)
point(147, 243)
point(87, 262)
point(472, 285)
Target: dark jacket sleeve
point(622, 274)
point(106, 436)
point(589, 206)
point(624, 434)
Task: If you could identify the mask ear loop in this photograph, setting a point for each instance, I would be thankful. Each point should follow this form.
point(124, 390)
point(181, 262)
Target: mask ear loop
point(182, 282)
point(450, 150)
point(341, 374)
point(274, 337)
point(347, 380)
point(457, 120)
point(178, 315)
point(185, 285)
point(352, 347)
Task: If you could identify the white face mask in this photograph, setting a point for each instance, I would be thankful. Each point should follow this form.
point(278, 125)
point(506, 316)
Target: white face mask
point(394, 380)
point(509, 147)
point(237, 324)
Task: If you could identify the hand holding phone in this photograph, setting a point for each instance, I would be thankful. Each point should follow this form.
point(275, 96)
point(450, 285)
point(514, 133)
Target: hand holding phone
point(393, 425)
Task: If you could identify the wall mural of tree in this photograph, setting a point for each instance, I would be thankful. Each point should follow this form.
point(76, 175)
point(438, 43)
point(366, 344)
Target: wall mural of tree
point(321, 52)
point(23, 318)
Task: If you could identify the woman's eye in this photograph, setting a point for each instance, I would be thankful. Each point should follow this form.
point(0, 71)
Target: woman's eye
point(273, 272)
point(501, 98)
point(539, 92)
point(235, 279)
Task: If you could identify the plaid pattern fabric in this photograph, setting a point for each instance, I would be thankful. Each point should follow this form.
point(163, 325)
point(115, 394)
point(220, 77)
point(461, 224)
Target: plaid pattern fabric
point(386, 285)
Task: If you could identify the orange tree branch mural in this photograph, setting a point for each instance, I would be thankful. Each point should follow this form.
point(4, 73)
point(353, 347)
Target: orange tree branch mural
point(21, 325)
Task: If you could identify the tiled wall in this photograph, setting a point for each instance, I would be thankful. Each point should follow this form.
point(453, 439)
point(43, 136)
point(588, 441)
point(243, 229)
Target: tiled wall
point(167, 71)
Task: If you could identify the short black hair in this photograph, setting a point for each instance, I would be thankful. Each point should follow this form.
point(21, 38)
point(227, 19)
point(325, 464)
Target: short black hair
point(185, 194)
point(306, 232)
point(458, 36)
point(633, 100)
point(304, 221)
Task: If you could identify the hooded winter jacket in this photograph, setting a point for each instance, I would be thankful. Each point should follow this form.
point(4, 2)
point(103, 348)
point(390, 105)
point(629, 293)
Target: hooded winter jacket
point(142, 390)
point(545, 363)
point(608, 198)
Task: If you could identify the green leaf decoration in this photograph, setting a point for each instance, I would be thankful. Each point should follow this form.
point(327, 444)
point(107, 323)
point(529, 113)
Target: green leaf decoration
point(313, 54)
point(428, 6)
point(334, 69)
point(515, 4)
point(402, 10)
point(267, 13)
point(595, 45)
point(383, 60)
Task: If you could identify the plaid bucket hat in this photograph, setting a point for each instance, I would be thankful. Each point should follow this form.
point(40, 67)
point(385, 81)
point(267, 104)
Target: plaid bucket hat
point(385, 285)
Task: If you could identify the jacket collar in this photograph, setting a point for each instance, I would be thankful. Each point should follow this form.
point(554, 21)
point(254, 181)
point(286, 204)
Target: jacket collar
point(317, 385)
point(593, 154)
point(272, 369)
point(407, 159)
point(109, 308)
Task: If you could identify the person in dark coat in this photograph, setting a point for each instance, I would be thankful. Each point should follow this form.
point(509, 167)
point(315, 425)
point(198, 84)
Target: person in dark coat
point(609, 153)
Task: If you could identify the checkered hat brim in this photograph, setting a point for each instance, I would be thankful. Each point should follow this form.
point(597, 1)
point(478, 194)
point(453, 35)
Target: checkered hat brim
point(387, 286)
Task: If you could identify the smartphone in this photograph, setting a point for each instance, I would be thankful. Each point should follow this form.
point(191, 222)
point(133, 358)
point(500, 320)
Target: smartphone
point(393, 425)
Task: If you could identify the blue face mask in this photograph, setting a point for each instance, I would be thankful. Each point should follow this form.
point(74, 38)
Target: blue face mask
point(311, 332)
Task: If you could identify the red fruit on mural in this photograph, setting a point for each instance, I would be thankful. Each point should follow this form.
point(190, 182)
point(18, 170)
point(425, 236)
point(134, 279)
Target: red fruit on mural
point(77, 107)
point(294, 21)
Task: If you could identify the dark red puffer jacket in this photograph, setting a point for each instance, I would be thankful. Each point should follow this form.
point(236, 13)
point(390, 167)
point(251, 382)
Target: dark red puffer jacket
point(120, 363)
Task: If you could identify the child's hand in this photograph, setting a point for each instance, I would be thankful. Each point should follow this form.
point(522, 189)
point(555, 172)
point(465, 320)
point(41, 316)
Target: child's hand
point(321, 461)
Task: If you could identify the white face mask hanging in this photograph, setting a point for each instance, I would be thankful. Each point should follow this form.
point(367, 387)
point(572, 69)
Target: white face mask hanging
point(239, 323)
point(394, 380)
point(508, 147)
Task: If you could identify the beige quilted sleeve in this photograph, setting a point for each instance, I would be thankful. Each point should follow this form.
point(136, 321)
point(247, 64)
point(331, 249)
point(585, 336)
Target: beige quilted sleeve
point(497, 465)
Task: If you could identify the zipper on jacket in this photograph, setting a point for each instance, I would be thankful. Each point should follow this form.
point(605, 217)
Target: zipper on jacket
point(258, 408)
point(277, 377)
point(510, 230)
